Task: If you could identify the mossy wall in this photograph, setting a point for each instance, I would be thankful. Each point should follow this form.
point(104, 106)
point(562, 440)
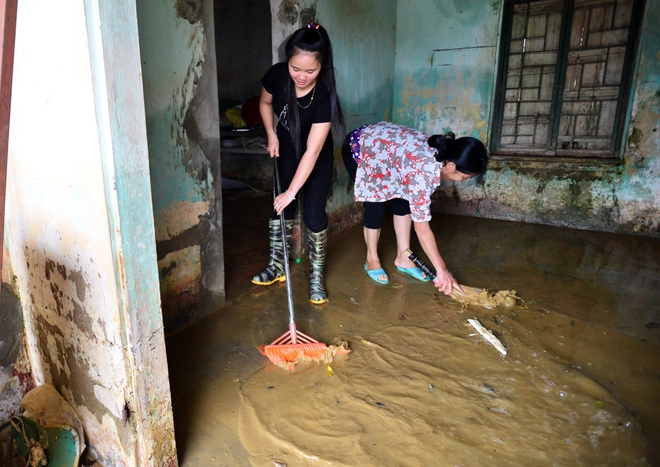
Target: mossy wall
point(444, 80)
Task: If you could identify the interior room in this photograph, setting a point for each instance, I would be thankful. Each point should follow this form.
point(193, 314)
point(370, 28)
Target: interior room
point(138, 196)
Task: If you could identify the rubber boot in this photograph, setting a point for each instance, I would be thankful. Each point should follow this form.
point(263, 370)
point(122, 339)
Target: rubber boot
point(274, 272)
point(318, 245)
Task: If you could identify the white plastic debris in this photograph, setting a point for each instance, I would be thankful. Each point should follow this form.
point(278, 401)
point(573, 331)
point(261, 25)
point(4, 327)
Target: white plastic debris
point(486, 334)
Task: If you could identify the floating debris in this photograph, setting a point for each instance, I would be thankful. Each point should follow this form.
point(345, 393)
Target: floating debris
point(488, 335)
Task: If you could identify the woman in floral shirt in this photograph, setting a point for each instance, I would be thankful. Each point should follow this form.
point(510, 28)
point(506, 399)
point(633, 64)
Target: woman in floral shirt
point(395, 163)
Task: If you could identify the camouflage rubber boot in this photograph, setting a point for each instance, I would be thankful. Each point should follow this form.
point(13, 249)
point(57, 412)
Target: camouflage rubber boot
point(274, 272)
point(318, 245)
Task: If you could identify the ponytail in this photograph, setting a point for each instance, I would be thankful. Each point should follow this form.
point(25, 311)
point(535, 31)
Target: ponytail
point(469, 154)
point(441, 143)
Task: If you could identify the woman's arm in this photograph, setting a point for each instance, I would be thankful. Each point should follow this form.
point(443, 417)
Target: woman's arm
point(444, 281)
point(267, 116)
point(315, 141)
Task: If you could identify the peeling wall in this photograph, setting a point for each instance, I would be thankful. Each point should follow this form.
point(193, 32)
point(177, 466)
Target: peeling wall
point(180, 85)
point(79, 228)
point(445, 54)
point(445, 78)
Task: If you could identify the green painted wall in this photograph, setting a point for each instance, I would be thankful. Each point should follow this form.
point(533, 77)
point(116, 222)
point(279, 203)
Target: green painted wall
point(363, 36)
point(172, 50)
point(177, 47)
point(446, 54)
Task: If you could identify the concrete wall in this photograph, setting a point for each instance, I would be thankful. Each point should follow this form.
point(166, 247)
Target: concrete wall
point(181, 101)
point(79, 232)
point(445, 76)
point(363, 37)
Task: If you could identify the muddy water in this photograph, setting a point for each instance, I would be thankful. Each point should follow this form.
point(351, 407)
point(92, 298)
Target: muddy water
point(578, 386)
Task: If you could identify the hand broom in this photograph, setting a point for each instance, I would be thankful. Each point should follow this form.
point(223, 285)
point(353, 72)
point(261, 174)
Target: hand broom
point(456, 294)
point(293, 344)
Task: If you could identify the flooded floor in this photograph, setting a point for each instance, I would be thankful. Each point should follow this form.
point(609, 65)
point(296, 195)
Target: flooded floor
point(579, 384)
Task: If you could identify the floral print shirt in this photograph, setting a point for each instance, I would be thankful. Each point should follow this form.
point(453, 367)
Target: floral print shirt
point(397, 162)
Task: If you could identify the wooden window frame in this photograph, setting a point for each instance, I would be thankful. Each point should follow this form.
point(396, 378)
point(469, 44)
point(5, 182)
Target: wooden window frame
point(552, 154)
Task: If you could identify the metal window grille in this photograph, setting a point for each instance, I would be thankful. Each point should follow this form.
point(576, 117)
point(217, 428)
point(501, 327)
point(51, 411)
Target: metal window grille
point(564, 78)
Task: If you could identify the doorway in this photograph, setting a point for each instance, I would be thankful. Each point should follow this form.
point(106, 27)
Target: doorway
point(243, 47)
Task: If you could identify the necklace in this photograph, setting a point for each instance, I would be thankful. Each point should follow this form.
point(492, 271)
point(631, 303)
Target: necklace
point(310, 100)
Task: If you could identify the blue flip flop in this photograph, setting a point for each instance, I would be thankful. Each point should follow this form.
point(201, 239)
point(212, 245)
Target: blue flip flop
point(375, 273)
point(415, 272)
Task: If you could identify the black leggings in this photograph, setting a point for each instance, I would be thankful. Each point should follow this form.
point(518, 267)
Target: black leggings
point(315, 190)
point(374, 212)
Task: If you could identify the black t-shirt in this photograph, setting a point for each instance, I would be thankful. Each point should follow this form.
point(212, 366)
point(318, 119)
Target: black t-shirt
point(318, 111)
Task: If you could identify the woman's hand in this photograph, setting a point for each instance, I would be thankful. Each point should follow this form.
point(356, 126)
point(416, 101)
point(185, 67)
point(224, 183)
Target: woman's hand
point(267, 116)
point(282, 201)
point(273, 147)
point(315, 140)
point(445, 282)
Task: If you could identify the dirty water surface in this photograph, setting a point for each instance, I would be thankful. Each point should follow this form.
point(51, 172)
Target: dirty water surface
point(421, 387)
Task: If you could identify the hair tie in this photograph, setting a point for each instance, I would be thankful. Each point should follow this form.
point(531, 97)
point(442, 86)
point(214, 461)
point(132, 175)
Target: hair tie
point(313, 26)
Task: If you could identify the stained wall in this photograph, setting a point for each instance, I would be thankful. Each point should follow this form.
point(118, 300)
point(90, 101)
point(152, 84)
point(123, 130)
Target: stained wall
point(79, 234)
point(446, 62)
point(177, 47)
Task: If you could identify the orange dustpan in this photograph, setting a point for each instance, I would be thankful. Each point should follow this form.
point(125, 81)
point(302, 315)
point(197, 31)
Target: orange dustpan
point(293, 344)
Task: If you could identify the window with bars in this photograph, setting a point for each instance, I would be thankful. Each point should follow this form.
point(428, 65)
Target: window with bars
point(564, 79)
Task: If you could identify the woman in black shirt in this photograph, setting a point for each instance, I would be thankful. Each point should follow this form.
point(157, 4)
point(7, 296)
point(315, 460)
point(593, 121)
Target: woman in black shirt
point(302, 93)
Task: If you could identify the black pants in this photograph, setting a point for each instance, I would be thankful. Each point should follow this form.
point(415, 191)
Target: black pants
point(315, 190)
point(374, 212)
